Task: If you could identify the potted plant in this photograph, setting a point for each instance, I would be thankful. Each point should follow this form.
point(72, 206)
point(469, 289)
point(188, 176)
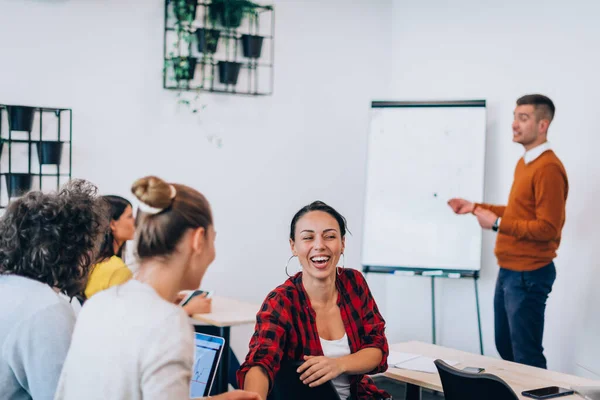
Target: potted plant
point(229, 72)
point(20, 118)
point(185, 10)
point(208, 40)
point(18, 184)
point(184, 68)
point(49, 152)
point(252, 44)
point(230, 13)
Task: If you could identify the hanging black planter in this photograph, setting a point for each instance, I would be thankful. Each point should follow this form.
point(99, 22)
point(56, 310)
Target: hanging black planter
point(18, 184)
point(252, 45)
point(229, 72)
point(20, 118)
point(208, 40)
point(49, 152)
point(184, 68)
point(229, 13)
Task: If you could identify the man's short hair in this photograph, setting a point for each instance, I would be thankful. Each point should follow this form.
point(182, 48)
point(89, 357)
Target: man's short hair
point(544, 107)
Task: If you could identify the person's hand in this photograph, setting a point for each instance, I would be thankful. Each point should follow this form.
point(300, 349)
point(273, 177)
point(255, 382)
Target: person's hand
point(461, 206)
point(486, 218)
point(198, 305)
point(179, 297)
point(237, 395)
point(319, 369)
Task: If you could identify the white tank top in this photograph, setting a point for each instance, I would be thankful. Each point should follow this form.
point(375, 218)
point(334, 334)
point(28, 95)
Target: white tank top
point(335, 349)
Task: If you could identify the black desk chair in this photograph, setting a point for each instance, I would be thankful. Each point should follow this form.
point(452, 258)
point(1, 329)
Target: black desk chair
point(461, 385)
point(288, 386)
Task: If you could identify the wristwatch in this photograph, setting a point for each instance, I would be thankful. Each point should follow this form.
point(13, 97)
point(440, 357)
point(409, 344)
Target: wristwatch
point(496, 225)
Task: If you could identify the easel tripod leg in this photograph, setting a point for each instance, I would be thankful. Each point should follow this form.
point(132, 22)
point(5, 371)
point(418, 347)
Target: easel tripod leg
point(478, 316)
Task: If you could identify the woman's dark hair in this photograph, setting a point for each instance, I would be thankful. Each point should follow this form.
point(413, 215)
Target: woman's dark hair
point(53, 238)
point(117, 206)
point(318, 206)
point(176, 208)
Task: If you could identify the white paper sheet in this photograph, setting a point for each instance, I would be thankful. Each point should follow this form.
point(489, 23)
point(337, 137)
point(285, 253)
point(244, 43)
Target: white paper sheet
point(415, 362)
point(396, 357)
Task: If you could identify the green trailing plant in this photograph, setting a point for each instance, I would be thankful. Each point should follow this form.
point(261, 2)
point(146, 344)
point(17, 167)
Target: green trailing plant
point(230, 13)
point(185, 10)
point(181, 65)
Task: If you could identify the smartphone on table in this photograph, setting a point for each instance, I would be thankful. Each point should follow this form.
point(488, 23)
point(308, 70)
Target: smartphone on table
point(194, 293)
point(549, 392)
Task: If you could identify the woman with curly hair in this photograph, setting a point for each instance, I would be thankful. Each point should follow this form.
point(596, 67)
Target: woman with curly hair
point(47, 245)
point(131, 342)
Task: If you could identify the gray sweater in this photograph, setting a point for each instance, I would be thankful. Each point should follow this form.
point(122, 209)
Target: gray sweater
point(36, 325)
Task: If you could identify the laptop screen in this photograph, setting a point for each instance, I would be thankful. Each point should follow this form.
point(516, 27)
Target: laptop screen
point(207, 354)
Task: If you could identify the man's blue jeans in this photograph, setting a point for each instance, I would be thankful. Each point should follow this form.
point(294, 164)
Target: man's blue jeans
point(519, 308)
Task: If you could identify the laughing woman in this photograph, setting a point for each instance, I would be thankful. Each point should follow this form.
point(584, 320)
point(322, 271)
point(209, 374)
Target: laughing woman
point(324, 316)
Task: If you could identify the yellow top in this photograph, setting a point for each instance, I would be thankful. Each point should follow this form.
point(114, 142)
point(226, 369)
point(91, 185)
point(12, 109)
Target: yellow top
point(105, 274)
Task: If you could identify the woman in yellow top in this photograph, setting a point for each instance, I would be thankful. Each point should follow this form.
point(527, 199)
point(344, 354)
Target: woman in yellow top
point(110, 270)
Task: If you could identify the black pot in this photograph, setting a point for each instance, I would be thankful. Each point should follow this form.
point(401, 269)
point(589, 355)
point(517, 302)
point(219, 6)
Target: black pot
point(229, 13)
point(49, 152)
point(208, 40)
point(182, 71)
point(252, 45)
point(18, 184)
point(20, 118)
point(229, 72)
point(190, 6)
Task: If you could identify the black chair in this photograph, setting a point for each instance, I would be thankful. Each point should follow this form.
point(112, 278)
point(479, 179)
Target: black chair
point(288, 386)
point(461, 385)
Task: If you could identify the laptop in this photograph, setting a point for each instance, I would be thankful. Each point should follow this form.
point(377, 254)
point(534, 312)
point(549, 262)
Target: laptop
point(207, 354)
point(288, 386)
point(588, 392)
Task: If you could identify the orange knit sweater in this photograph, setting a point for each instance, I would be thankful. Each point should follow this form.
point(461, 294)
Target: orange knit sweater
point(531, 224)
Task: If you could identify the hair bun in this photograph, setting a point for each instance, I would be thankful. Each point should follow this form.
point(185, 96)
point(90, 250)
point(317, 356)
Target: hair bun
point(154, 192)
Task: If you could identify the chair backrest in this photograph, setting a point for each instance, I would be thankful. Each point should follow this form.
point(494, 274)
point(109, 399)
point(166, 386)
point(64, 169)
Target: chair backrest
point(288, 386)
point(461, 385)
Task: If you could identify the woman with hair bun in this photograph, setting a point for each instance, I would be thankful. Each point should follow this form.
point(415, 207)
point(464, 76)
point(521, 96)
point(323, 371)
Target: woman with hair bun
point(146, 341)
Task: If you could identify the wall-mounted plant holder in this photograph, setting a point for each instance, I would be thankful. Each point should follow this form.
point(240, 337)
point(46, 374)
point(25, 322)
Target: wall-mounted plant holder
point(18, 183)
point(20, 118)
point(231, 40)
point(49, 152)
point(22, 128)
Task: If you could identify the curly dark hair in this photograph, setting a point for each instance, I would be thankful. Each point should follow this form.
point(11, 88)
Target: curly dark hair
point(54, 237)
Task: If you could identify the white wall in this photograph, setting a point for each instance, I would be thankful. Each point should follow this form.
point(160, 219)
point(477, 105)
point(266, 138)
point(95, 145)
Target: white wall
point(103, 58)
point(468, 49)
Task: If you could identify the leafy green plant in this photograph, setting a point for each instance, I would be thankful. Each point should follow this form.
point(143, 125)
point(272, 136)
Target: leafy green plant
point(185, 10)
point(179, 66)
point(230, 13)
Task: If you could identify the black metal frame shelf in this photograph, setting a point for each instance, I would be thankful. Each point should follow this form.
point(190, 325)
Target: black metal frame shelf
point(209, 80)
point(6, 137)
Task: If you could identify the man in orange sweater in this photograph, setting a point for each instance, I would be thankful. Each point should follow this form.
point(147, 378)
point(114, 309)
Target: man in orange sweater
point(529, 230)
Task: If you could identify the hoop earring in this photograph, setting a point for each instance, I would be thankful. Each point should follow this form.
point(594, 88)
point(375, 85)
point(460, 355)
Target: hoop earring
point(286, 266)
point(339, 270)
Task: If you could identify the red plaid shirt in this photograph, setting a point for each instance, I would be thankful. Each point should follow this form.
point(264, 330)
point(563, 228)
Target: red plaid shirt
point(286, 329)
